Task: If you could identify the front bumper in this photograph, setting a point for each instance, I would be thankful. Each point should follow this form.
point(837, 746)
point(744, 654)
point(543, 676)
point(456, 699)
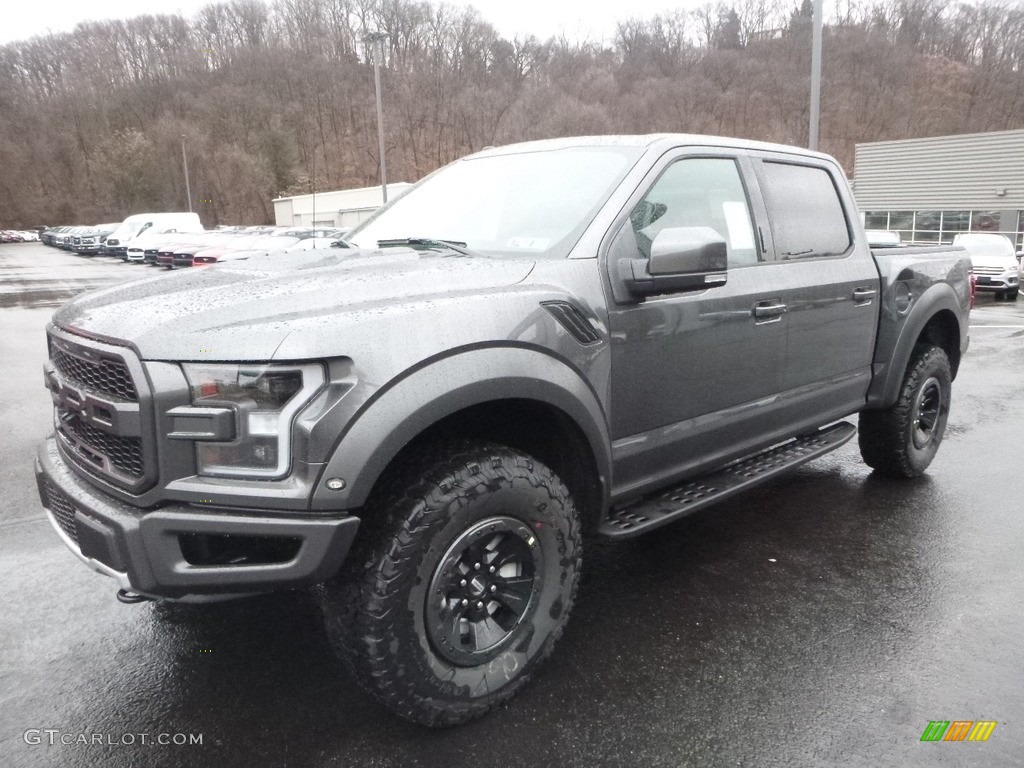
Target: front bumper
point(144, 550)
point(996, 283)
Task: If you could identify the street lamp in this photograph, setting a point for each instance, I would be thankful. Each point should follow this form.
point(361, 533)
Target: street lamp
point(378, 38)
point(184, 161)
point(815, 75)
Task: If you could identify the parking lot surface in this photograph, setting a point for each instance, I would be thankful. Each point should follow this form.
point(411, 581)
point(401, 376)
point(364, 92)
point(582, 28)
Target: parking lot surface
point(821, 620)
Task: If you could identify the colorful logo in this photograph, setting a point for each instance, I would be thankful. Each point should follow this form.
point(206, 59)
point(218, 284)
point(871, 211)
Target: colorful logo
point(958, 730)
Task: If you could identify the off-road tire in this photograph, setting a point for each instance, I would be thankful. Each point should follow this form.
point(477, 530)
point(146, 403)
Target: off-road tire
point(376, 611)
point(892, 441)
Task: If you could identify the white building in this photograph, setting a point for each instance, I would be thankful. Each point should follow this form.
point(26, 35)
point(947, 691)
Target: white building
point(343, 208)
point(931, 189)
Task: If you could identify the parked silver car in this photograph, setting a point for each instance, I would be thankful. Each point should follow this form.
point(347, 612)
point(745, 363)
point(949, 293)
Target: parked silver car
point(996, 269)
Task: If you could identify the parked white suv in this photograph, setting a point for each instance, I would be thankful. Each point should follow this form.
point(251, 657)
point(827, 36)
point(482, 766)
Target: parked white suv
point(995, 263)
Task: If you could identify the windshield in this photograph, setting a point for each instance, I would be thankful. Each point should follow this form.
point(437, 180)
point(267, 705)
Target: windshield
point(129, 230)
point(986, 246)
point(124, 230)
point(534, 204)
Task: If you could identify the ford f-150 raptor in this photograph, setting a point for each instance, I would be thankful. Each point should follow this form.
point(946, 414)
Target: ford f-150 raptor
point(541, 341)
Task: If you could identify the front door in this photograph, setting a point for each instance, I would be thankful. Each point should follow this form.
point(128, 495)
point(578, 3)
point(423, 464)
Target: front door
point(693, 373)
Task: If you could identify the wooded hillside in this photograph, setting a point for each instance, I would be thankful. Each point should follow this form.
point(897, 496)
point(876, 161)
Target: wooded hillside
point(275, 98)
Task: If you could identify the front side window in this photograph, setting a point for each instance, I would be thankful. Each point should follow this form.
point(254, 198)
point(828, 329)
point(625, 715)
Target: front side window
point(698, 192)
point(807, 217)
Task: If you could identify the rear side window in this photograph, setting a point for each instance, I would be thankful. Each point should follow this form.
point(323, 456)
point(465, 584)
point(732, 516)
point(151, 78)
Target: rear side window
point(806, 215)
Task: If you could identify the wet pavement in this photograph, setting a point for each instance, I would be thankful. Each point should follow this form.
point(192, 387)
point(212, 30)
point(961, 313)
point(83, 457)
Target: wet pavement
point(822, 620)
point(34, 275)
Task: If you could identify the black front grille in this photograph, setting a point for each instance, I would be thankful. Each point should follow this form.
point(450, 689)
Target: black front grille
point(124, 453)
point(63, 510)
point(102, 411)
point(110, 377)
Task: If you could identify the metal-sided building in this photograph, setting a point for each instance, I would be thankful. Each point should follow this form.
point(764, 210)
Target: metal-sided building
point(930, 189)
point(342, 208)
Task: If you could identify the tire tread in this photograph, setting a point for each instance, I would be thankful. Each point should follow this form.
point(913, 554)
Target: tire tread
point(357, 603)
point(882, 435)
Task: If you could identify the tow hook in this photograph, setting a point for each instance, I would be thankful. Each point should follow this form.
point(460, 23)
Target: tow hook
point(130, 598)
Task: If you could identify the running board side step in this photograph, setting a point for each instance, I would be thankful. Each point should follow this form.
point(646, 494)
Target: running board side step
point(695, 494)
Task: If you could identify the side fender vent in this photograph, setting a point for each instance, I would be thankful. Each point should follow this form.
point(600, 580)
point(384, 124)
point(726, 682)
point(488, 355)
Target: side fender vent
point(570, 318)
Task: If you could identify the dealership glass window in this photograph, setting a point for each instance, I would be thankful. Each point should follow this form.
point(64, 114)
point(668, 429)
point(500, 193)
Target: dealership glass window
point(928, 221)
point(956, 221)
point(985, 221)
point(876, 220)
point(901, 220)
point(941, 226)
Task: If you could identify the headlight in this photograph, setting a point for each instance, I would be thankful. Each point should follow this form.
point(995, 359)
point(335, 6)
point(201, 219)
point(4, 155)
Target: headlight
point(265, 399)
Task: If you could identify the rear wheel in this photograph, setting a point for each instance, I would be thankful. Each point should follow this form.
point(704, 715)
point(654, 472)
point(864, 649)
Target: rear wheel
point(902, 440)
point(464, 582)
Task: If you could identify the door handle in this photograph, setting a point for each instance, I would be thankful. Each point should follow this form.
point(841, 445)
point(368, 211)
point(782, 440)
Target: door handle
point(767, 310)
point(864, 294)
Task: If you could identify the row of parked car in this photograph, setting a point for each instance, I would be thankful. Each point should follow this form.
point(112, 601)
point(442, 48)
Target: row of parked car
point(17, 235)
point(175, 240)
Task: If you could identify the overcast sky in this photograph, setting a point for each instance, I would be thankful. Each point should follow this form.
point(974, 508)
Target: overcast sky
point(577, 19)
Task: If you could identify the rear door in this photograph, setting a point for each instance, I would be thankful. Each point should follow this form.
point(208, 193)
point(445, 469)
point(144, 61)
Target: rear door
point(827, 281)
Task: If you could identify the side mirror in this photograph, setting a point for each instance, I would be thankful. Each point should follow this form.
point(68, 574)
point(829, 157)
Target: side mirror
point(682, 259)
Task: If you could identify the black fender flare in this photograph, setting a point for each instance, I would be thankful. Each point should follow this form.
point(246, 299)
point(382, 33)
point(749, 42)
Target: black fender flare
point(892, 357)
point(403, 409)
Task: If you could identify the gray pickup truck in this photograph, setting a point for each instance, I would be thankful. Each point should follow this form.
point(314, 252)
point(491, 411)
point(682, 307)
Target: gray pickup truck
point(537, 342)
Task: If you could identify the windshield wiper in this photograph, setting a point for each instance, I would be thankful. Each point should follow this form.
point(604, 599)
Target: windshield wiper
point(426, 242)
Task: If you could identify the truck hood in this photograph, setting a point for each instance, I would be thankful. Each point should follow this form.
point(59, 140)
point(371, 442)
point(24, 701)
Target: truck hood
point(995, 261)
point(245, 310)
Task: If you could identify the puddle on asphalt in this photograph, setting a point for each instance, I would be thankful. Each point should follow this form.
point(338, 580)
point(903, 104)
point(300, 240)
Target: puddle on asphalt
point(36, 299)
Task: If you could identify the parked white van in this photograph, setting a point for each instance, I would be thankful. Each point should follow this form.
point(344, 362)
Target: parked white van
point(129, 229)
point(995, 262)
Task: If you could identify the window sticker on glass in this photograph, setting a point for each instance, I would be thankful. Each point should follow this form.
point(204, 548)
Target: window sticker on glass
point(737, 220)
point(529, 243)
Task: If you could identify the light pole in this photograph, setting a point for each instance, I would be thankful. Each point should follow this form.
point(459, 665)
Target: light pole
point(378, 38)
point(815, 75)
point(184, 161)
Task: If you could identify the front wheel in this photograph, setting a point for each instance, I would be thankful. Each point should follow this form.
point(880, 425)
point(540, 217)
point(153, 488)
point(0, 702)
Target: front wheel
point(902, 440)
point(465, 581)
